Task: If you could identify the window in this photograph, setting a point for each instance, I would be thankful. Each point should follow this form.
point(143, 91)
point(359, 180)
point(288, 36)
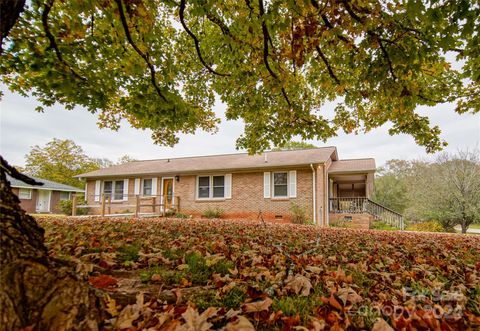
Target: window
point(280, 184)
point(218, 186)
point(204, 187)
point(210, 187)
point(25, 193)
point(118, 190)
point(147, 187)
point(64, 195)
point(113, 189)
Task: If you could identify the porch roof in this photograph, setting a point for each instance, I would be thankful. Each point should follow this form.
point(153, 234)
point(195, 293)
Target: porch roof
point(352, 166)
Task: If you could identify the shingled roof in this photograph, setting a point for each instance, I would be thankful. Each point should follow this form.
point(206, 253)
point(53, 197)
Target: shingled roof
point(238, 161)
point(352, 165)
point(47, 185)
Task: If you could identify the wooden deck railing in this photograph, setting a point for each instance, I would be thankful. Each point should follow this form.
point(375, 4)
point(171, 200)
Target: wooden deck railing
point(153, 204)
point(360, 205)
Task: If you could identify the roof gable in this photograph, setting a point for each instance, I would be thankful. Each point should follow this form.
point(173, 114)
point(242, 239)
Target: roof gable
point(47, 185)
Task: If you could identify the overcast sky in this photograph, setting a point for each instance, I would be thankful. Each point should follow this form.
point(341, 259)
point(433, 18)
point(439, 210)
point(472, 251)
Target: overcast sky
point(22, 127)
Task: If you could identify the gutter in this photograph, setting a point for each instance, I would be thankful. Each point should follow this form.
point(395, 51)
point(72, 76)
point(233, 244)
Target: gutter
point(314, 195)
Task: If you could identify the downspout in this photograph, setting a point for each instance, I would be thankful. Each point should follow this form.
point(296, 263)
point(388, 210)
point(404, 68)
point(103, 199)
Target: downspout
point(314, 186)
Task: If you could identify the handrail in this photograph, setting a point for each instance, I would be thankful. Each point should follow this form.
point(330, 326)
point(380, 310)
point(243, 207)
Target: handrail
point(357, 205)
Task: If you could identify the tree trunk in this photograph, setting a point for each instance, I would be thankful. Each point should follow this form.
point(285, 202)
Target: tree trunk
point(37, 292)
point(464, 226)
point(9, 13)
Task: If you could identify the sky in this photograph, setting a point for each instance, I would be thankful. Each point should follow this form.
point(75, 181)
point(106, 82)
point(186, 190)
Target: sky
point(21, 127)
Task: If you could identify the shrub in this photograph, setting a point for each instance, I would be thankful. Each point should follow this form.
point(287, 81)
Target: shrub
point(213, 213)
point(181, 215)
point(170, 212)
point(379, 225)
point(66, 207)
point(298, 214)
point(341, 223)
point(428, 226)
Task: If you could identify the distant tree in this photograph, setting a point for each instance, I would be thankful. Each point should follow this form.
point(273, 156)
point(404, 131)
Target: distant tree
point(292, 145)
point(447, 190)
point(59, 161)
point(390, 185)
point(103, 162)
point(125, 159)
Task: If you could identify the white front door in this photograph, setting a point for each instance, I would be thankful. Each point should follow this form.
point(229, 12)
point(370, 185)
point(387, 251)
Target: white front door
point(43, 201)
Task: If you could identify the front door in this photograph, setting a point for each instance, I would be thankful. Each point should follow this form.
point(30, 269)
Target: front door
point(167, 194)
point(43, 201)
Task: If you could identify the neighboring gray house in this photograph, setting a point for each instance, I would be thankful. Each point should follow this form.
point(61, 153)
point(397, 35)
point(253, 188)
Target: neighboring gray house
point(41, 199)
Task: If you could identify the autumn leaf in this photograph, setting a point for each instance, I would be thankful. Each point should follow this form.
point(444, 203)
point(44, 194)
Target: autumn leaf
point(197, 322)
point(381, 325)
point(300, 285)
point(240, 324)
point(257, 306)
point(102, 281)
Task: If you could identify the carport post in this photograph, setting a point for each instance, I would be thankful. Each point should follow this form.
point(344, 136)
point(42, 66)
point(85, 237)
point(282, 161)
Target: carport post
point(103, 205)
point(137, 205)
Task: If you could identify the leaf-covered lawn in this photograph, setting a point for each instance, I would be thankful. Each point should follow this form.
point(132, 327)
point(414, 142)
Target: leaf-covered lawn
point(236, 275)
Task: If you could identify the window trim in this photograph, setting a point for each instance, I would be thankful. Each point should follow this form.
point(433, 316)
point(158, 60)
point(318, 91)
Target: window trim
point(280, 197)
point(29, 193)
point(210, 188)
point(112, 193)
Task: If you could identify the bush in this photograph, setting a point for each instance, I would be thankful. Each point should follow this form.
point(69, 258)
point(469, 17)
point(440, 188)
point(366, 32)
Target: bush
point(66, 207)
point(181, 215)
point(379, 225)
point(341, 223)
point(298, 214)
point(428, 226)
point(213, 213)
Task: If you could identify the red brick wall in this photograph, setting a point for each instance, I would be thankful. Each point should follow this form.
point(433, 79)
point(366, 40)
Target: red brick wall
point(247, 196)
point(28, 205)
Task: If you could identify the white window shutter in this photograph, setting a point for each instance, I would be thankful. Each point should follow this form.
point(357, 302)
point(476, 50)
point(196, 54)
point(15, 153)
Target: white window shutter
point(136, 189)
point(125, 190)
point(228, 186)
point(154, 185)
point(98, 185)
point(266, 184)
point(293, 183)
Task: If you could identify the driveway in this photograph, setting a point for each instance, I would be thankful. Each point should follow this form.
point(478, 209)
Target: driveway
point(470, 230)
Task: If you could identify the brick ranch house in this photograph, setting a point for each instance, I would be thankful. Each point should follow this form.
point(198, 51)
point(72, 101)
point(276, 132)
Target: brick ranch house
point(241, 185)
point(41, 199)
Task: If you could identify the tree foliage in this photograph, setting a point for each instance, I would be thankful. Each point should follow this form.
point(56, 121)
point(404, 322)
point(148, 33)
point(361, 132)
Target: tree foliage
point(445, 190)
point(59, 160)
point(159, 64)
point(293, 145)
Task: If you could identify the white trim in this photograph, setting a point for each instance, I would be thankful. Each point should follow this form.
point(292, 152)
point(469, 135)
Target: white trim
point(314, 186)
point(210, 188)
point(29, 193)
point(154, 186)
point(292, 187)
point(98, 189)
point(228, 186)
point(136, 187)
point(266, 185)
point(273, 185)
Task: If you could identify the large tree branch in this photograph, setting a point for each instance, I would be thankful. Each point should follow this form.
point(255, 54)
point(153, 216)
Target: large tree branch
point(143, 55)
point(327, 64)
point(53, 44)
point(196, 41)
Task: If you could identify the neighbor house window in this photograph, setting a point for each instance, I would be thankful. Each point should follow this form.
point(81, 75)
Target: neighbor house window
point(114, 189)
point(280, 184)
point(64, 195)
point(147, 187)
point(210, 187)
point(25, 193)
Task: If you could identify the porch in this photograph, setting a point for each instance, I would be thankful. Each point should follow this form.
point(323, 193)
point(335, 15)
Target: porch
point(349, 199)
